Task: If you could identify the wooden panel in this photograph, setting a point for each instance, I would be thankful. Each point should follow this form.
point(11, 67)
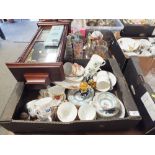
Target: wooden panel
point(54, 70)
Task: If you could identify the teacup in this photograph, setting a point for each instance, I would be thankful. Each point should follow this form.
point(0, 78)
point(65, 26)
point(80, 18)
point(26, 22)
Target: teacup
point(107, 105)
point(67, 112)
point(103, 81)
point(87, 112)
point(43, 109)
point(73, 70)
point(31, 107)
point(57, 93)
point(94, 65)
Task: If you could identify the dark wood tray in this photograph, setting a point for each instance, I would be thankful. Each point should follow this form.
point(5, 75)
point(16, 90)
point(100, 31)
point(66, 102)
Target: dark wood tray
point(10, 118)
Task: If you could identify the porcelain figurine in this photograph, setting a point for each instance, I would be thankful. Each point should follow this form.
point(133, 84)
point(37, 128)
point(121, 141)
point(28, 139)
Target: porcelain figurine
point(84, 88)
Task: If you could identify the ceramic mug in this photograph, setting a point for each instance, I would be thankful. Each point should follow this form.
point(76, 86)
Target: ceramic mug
point(31, 107)
point(67, 112)
point(94, 65)
point(102, 81)
point(43, 109)
point(87, 112)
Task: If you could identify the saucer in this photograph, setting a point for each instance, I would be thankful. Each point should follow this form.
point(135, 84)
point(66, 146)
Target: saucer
point(76, 98)
point(108, 105)
point(68, 84)
point(74, 79)
point(122, 112)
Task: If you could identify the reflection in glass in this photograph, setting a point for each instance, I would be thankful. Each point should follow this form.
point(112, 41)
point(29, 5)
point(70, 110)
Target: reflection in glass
point(40, 53)
point(43, 35)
